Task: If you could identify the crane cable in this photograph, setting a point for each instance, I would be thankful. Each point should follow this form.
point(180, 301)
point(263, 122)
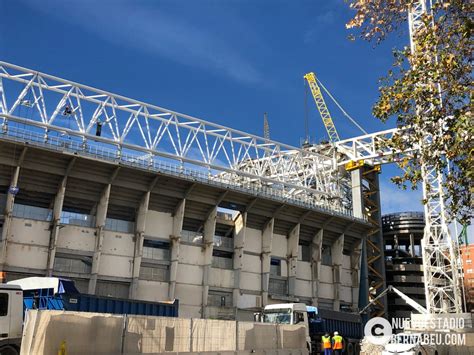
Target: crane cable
point(341, 108)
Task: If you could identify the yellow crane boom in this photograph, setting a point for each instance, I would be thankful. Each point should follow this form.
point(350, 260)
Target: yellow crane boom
point(322, 108)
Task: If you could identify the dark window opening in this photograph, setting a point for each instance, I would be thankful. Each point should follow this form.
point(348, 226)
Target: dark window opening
point(304, 251)
point(275, 267)
point(222, 259)
point(3, 304)
point(326, 257)
point(156, 249)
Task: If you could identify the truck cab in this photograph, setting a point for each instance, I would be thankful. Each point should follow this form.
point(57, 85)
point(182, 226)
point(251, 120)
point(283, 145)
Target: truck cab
point(11, 319)
point(317, 322)
point(288, 313)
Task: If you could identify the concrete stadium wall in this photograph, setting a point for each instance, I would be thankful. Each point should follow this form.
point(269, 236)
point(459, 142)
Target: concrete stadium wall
point(117, 255)
point(29, 244)
point(189, 280)
point(28, 248)
point(159, 224)
point(77, 238)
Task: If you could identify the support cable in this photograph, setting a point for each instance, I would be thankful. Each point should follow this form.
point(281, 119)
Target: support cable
point(341, 108)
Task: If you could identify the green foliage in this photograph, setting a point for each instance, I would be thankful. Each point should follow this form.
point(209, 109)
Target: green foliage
point(429, 92)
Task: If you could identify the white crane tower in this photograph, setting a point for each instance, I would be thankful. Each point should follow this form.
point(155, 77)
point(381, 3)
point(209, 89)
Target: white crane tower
point(440, 252)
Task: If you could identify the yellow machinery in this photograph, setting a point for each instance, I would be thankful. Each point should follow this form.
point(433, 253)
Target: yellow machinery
point(322, 108)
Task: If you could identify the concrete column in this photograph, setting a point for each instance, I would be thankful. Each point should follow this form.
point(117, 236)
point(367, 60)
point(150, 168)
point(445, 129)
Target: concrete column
point(355, 271)
point(8, 213)
point(53, 236)
point(209, 231)
point(267, 241)
point(316, 251)
point(357, 193)
point(292, 257)
point(175, 239)
point(239, 244)
point(140, 224)
point(101, 215)
point(337, 256)
point(55, 223)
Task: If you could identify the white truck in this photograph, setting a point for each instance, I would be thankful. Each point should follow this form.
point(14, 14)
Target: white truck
point(318, 322)
point(11, 319)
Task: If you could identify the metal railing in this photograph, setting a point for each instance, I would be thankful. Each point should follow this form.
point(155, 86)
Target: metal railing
point(72, 265)
point(223, 242)
point(65, 144)
point(156, 253)
point(32, 212)
point(158, 273)
point(222, 263)
point(192, 237)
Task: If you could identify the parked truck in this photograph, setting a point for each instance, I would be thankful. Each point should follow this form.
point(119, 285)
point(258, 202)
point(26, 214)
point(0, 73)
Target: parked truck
point(318, 322)
point(52, 293)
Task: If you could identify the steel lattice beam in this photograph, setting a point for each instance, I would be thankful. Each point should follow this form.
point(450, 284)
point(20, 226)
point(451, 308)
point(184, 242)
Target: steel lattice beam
point(372, 148)
point(55, 109)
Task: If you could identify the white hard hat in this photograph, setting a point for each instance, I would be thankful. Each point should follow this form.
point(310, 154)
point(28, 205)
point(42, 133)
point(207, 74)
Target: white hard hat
point(336, 333)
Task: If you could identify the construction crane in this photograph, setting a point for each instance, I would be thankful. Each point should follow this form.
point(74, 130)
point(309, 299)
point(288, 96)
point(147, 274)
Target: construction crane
point(415, 305)
point(322, 107)
point(440, 252)
point(266, 127)
point(315, 86)
point(374, 242)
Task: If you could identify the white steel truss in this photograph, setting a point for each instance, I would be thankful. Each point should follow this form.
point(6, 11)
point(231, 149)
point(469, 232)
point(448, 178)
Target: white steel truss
point(60, 110)
point(373, 148)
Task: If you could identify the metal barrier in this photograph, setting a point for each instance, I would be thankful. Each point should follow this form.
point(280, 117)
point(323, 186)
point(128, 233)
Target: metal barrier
point(151, 163)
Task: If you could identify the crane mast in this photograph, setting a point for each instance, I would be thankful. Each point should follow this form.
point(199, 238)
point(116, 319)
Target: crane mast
point(440, 252)
point(322, 107)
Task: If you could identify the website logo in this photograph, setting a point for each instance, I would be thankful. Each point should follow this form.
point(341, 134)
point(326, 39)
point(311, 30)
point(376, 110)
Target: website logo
point(378, 331)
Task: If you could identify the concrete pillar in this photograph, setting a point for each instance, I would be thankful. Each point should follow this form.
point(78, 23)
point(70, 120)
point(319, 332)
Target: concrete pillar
point(357, 193)
point(175, 240)
point(100, 217)
point(337, 256)
point(8, 213)
point(209, 231)
point(55, 223)
point(140, 225)
point(267, 241)
point(53, 236)
point(292, 258)
point(316, 252)
point(355, 272)
point(239, 244)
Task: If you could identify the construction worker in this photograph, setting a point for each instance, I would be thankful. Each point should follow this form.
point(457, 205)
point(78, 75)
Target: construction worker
point(337, 344)
point(326, 341)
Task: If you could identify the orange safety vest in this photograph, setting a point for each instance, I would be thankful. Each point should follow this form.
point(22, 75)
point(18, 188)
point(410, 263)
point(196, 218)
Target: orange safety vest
point(326, 342)
point(337, 342)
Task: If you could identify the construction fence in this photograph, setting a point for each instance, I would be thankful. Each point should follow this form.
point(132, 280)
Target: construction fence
point(50, 332)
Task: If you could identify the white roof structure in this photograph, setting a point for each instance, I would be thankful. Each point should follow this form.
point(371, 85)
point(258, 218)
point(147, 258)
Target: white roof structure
point(292, 306)
point(34, 283)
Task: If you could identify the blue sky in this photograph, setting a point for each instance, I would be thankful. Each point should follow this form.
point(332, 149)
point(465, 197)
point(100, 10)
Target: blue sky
point(224, 61)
